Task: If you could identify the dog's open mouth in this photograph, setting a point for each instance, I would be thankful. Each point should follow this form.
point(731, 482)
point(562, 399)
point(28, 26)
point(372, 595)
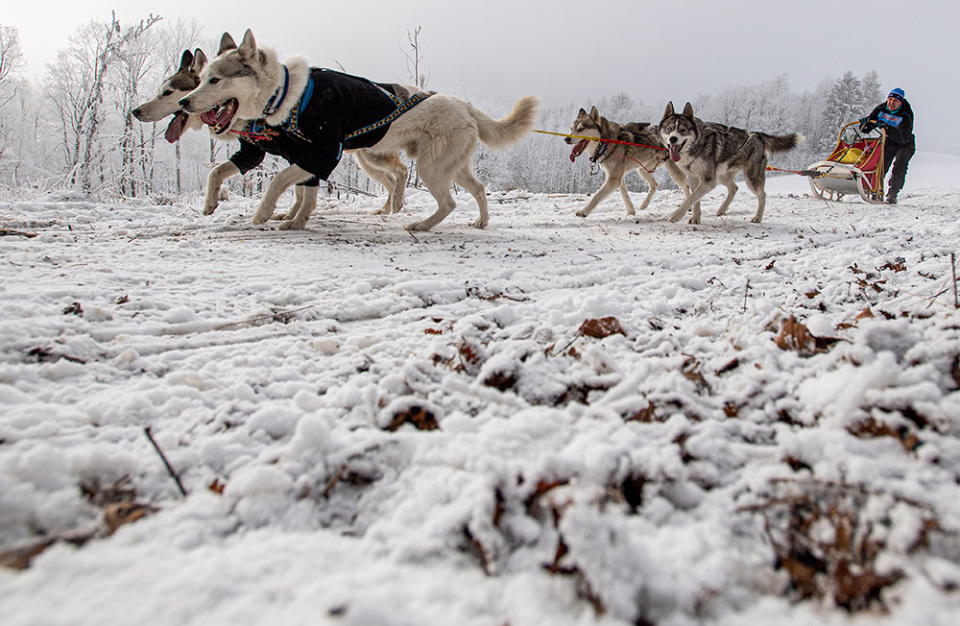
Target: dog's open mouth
point(675, 149)
point(176, 127)
point(578, 149)
point(220, 117)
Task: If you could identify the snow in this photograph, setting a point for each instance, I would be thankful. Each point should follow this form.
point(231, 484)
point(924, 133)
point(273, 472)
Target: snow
point(287, 376)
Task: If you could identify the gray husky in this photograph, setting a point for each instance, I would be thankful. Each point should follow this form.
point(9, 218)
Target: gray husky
point(641, 150)
point(440, 132)
point(708, 152)
point(167, 100)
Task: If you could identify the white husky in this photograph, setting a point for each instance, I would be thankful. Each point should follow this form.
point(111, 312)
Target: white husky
point(344, 113)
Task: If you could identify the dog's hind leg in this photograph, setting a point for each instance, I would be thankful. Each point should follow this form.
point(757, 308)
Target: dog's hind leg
point(625, 194)
point(280, 183)
point(308, 202)
point(437, 181)
point(297, 203)
point(605, 190)
point(214, 181)
point(468, 181)
point(756, 182)
point(651, 181)
point(389, 171)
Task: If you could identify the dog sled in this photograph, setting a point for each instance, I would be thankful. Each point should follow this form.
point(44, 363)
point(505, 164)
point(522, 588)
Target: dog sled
point(854, 167)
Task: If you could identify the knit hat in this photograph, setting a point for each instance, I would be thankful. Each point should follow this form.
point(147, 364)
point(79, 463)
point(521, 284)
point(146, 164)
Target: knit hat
point(896, 93)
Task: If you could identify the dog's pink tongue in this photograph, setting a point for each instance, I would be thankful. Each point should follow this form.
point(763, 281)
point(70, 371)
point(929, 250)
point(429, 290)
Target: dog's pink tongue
point(209, 117)
point(578, 149)
point(175, 128)
point(674, 152)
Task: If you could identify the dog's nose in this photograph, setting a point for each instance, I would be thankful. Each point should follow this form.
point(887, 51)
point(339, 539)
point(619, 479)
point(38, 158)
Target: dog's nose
point(673, 140)
point(184, 103)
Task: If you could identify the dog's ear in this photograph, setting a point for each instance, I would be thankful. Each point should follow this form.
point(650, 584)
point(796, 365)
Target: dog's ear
point(669, 110)
point(226, 44)
point(582, 112)
point(199, 60)
point(185, 61)
point(248, 47)
point(595, 114)
point(688, 110)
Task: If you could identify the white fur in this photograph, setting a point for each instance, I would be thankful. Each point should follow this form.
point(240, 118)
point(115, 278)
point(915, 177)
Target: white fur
point(441, 133)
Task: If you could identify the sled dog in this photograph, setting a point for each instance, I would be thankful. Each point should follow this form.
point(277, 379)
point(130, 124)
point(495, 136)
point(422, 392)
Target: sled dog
point(167, 100)
point(617, 159)
point(390, 172)
point(708, 153)
point(342, 113)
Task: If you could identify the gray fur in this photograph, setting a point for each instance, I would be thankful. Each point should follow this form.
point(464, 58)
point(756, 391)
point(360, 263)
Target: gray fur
point(709, 153)
point(617, 160)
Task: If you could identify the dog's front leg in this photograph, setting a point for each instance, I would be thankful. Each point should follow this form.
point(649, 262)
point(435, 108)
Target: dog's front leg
point(280, 183)
point(605, 190)
point(701, 187)
point(214, 181)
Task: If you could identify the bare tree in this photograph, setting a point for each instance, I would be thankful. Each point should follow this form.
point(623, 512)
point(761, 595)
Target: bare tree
point(11, 63)
point(415, 58)
point(76, 84)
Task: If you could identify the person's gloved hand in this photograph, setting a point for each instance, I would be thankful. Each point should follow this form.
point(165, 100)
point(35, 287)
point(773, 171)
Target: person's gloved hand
point(867, 125)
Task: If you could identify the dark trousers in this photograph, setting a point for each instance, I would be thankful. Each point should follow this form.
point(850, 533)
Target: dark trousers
point(898, 154)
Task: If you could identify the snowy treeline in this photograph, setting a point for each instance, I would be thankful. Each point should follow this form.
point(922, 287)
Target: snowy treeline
point(74, 129)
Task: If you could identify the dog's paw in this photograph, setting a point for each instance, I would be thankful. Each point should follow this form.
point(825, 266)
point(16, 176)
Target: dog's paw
point(384, 210)
point(756, 220)
point(260, 218)
point(210, 206)
point(283, 216)
point(293, 225)
point(676, 216)
point(481, 223)
point(417, 227)
point(582, 213)
point(695, 219)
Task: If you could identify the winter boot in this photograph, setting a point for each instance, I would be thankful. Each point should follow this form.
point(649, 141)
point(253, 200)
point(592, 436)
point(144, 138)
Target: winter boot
point(892, 196)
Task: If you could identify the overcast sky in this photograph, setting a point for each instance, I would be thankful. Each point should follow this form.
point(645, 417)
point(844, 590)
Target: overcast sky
point(570, 52)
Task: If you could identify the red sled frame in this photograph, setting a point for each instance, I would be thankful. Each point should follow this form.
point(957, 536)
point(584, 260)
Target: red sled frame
point(854, 167)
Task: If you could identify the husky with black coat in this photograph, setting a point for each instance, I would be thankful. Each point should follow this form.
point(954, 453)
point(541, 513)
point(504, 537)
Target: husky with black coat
point(246, 82)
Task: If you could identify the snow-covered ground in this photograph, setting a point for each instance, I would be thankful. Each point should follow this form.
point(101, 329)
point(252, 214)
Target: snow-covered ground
point(551, 421)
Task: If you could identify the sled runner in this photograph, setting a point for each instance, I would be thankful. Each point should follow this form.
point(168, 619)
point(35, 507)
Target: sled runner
point(854, 167)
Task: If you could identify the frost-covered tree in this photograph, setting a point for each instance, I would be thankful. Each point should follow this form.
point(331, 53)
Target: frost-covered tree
point(77, 85)
point(11, 83)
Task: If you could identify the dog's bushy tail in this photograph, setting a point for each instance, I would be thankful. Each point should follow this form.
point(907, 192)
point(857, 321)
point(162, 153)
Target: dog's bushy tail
point(773, 144)
point(505, 132)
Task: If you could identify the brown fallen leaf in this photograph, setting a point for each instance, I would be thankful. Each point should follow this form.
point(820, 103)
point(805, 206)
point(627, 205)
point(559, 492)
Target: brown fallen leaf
point(600, 328)
point(121, 513)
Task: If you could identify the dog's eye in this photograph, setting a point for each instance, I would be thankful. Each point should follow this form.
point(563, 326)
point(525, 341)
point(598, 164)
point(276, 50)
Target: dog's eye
point(167, 92)
point(214, 80)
